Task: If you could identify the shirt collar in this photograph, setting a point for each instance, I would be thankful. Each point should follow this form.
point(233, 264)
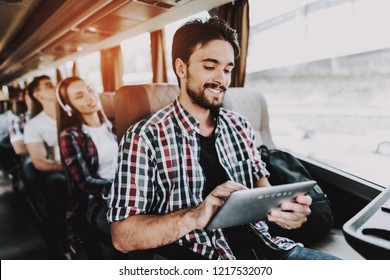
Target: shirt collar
point(188, 123)
point(86, 129)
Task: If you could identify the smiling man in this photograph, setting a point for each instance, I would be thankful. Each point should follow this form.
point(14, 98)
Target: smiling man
point(179, 165)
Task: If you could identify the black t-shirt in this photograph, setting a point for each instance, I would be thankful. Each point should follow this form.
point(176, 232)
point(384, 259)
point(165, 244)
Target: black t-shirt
point(213, 171)
point(240, 238)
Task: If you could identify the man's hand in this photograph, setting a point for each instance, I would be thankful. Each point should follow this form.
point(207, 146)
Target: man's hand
point(145, 231)
point(292, 214)
point(206, 210)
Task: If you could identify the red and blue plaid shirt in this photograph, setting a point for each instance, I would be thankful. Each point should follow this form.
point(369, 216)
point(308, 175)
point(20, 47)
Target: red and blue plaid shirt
point(159, 172)
point(80, 156)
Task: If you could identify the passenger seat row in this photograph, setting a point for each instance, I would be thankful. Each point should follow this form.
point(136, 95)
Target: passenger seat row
point(135, 102)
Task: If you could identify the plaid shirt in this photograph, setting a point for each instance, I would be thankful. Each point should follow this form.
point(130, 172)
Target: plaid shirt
point(16, 129)
point(80, 156)
point(159, 172)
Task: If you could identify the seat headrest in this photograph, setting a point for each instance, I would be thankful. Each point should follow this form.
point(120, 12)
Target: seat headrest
point(252, 105)
point(5, 105)
point(108, 103)
point(135, 102)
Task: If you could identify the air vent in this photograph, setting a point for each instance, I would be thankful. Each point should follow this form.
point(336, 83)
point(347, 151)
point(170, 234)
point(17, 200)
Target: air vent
point(165, 4)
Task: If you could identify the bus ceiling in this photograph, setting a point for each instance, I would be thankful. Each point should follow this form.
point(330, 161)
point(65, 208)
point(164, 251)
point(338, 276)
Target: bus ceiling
point(41, 34)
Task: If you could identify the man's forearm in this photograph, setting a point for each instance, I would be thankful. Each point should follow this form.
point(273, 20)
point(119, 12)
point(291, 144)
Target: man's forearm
point(47, 165)
point(151, 231)
point(19, 148)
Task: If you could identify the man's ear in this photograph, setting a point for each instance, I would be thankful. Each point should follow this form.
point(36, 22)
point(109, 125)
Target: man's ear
point(181, 68)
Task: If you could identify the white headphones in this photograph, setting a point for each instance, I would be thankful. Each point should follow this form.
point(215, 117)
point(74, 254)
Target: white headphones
point(65, 107)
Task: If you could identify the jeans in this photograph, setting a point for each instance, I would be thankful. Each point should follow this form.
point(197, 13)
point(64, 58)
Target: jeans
point(301, 253)
point(246, 245)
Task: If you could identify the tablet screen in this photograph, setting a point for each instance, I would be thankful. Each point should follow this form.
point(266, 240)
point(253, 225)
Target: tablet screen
point(253, 205)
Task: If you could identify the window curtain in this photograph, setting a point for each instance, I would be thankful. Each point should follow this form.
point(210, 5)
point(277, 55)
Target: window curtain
point(159, 64)
point(236, 14)
point(58, 75)
point(75, 71)
point(111, 66)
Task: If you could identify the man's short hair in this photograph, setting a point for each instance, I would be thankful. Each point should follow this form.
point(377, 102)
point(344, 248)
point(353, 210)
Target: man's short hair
point(198, 31)
point(34, 85)
point(31, 88)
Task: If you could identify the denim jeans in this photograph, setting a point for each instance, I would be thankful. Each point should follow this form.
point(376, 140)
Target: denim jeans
point(301, 253)
point(246, 245)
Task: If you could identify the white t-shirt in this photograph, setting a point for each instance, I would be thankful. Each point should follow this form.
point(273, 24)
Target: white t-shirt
point(43, 128)
point(16, 130)
point(5, 122)
point(107, 149)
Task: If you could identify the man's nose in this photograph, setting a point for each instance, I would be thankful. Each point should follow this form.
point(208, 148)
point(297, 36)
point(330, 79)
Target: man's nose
point(221, 77)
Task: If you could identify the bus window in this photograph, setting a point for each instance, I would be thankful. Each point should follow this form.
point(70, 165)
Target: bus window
point(170, 30)
point(324, 70)
point(88, 67)
point(65, 70)
point(136, 57)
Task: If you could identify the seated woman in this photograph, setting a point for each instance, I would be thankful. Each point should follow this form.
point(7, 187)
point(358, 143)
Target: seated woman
point(89, 151)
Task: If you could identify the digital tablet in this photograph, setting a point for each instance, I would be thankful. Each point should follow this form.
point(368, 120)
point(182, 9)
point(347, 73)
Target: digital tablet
point(253, 205)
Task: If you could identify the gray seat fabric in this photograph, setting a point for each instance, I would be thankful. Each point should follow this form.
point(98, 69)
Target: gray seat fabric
point(253, 106)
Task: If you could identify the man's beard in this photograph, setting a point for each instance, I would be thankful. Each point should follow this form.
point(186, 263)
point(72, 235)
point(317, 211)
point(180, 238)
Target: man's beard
point(200, 98)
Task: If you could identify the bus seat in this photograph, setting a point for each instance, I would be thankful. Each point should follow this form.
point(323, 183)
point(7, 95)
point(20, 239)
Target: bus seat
point(253, 106)
point(107, 99)
point(5, 105)
point(19, 107)
point(135, 102)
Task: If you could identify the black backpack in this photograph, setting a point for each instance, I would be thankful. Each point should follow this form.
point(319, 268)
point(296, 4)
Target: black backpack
point(285, 168)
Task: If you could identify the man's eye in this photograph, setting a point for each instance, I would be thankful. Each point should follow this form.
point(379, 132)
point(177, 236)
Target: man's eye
point(227, 71)
point(208, 67)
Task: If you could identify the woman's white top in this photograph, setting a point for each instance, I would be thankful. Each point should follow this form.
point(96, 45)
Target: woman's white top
point(107, 149)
